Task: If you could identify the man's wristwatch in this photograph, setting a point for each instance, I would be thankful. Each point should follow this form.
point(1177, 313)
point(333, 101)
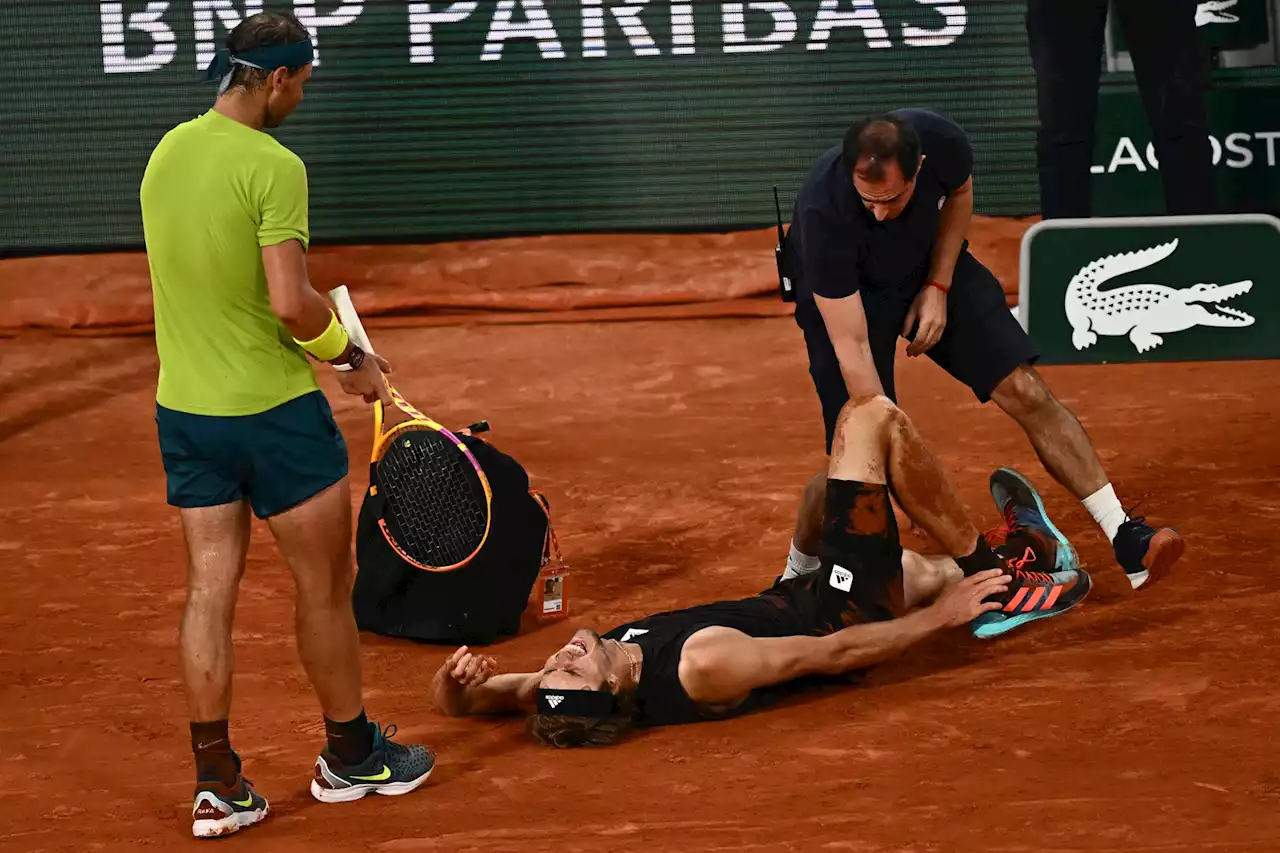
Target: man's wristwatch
point(354, 357)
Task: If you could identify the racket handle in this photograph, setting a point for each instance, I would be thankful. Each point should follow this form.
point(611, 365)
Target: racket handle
point(349, 318)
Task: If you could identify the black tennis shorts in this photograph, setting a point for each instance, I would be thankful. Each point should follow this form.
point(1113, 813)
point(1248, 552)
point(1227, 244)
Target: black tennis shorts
point(860, 577)
point(982, 344)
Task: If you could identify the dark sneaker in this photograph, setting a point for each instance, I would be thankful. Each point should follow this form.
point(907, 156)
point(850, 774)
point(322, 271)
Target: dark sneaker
point(1046, 578)
point(221, 810)
point(391, 769)
point(1032, 596)
point(1025, 516)
point(1145, 553)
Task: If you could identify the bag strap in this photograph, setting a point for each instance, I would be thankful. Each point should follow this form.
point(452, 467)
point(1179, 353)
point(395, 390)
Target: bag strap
point(550, 542)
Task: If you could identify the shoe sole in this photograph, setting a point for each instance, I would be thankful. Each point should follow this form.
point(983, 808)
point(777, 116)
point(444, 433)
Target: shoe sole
point(1064, 545)
point(995, 623)
point(357, 792)
point(1163, 550)
point(230, 824)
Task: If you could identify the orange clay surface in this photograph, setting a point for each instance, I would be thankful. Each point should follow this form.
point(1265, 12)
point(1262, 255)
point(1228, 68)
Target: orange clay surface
point(673, 453)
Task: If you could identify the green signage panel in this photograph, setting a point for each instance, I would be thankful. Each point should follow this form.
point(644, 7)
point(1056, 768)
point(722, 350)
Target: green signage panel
point(473, 118)
point(1222, 24)
point(1152, 289)
point(1244, 128)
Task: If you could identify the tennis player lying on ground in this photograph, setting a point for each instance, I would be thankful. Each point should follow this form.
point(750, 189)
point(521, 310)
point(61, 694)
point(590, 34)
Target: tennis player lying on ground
point(727, 658)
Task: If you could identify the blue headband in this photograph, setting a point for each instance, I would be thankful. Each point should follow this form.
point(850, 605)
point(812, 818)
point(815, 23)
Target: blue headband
point(576, 703)
point(268, 58)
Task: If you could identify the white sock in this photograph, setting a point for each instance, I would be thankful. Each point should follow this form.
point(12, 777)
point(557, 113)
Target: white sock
point(1105, 508)
point(799, 563)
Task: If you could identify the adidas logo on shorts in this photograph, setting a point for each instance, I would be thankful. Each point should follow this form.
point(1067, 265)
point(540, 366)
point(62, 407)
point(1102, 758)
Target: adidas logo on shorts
point(841, 578)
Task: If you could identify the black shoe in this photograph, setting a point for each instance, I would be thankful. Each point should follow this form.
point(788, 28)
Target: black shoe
point(1145, 553)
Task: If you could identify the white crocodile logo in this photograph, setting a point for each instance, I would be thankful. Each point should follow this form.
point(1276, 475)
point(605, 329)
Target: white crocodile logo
point(1145, 311)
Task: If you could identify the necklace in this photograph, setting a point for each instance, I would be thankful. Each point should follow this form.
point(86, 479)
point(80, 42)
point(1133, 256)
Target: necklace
point(635, 664)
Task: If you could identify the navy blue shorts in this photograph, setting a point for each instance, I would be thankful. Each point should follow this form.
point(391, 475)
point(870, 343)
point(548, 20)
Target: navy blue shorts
point(981, 345)
point(277, 459)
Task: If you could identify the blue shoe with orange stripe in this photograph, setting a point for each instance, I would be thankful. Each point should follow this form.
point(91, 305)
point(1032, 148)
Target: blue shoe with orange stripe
point(1046, 576)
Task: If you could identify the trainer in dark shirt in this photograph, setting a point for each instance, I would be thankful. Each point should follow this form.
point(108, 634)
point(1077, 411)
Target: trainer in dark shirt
point(843, 245)
point(877, 250)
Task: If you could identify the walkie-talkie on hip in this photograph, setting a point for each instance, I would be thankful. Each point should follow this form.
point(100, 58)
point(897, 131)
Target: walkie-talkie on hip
point(785, 289)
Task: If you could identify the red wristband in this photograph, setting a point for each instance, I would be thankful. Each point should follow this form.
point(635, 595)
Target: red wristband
point(938, 285)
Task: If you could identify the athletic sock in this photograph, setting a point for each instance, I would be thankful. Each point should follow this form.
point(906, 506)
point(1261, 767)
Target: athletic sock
point(212, 747)
point(350, 742)
point(800, 563)
point(981, 559)
point(1105, 508)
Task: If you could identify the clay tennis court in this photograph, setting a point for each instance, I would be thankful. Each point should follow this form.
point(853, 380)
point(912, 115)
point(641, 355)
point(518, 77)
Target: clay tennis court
point(673, 449)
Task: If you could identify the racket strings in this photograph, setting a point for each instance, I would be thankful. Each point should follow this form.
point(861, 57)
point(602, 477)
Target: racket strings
point(436, 505)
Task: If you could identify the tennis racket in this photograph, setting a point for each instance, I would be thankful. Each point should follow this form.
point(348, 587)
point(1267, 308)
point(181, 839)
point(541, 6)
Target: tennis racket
point(437, 500)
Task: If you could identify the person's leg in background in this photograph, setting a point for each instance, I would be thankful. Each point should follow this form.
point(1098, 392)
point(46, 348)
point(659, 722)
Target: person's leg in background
point(987, 349)
point(1169, 62)
point(1066, 39)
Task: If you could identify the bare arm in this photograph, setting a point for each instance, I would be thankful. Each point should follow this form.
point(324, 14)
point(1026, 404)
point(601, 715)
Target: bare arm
point(721, 666)
point(464, 685)
point(846, 323)
point(303, 311)
point(953, 225)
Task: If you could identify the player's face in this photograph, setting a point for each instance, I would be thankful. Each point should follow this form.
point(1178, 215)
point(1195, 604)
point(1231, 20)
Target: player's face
point(887, 197)
point(286, 93)
point(581, 664)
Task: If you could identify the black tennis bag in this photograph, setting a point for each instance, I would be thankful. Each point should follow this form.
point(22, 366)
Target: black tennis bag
point(476, 603)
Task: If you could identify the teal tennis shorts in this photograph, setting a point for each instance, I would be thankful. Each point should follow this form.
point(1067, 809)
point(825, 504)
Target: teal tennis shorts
point(277, 459)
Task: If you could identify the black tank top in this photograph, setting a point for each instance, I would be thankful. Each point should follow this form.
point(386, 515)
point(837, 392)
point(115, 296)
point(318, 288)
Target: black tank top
point(661, 697)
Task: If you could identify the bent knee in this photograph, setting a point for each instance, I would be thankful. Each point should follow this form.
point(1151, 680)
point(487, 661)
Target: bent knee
point(863, 411)
point(1023, 394)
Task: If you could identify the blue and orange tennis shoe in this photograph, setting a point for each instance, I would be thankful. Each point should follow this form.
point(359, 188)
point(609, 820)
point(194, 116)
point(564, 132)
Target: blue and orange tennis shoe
point(221, 810)
point(1145, 553)
point(1046, 576)
point(391, 769)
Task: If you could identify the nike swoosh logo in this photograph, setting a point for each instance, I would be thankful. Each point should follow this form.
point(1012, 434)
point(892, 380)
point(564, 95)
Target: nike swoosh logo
point(244, 804)
point(381, 777)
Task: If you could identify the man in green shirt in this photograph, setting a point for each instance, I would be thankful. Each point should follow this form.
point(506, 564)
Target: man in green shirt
point(243, 424)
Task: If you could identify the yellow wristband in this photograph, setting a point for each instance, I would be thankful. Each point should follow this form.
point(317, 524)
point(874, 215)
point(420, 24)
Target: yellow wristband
point(330, 343)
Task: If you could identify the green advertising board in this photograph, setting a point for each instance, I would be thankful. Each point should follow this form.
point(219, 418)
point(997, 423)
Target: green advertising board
point(1177, 288)
point(475, 118)
point(1222, 24)
point(1244, 127)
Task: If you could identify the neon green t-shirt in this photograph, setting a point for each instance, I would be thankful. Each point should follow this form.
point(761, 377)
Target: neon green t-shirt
point(214, 193)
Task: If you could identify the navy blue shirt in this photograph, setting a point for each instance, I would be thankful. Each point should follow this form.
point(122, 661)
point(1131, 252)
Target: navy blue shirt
point(836, 247)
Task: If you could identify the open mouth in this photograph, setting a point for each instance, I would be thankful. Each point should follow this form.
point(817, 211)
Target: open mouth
point(1224, 311)
point(579, 643)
